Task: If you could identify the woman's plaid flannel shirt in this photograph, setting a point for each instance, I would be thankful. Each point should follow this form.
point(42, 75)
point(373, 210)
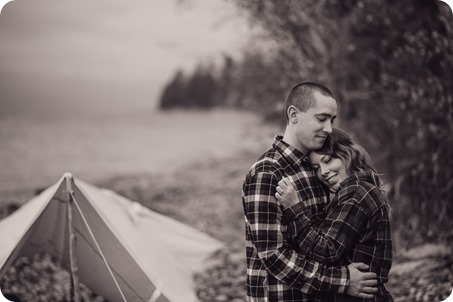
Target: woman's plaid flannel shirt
point(356, 229)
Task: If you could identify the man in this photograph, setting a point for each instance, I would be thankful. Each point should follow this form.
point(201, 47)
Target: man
point(276, 271)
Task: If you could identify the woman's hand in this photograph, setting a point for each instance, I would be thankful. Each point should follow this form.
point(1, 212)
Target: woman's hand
point(286, 193)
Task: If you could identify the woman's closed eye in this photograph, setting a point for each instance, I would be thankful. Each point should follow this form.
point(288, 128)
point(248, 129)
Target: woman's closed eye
point(326, 159)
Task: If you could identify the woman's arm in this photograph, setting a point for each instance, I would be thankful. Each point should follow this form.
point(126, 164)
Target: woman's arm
point(338, 233)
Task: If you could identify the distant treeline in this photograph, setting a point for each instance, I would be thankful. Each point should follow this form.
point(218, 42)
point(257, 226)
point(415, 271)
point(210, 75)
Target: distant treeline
point(390, 64)
point(204, 88)
point(234, 84)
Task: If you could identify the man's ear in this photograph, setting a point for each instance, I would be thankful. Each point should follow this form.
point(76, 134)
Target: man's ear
point(292, 114)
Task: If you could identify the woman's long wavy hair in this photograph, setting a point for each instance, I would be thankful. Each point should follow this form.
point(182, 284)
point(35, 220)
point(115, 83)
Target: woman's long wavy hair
point(357, 160)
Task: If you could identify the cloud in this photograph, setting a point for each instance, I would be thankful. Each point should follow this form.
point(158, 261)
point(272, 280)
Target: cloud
point(127, 48)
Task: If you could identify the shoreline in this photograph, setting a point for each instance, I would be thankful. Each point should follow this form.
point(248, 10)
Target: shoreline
point(155, 144)
point(258, 137)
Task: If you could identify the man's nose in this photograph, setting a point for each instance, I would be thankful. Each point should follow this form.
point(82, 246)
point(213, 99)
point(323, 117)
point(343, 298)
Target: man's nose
point(328, 127)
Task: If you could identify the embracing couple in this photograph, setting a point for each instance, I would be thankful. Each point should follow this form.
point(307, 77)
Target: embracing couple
point(317, 220)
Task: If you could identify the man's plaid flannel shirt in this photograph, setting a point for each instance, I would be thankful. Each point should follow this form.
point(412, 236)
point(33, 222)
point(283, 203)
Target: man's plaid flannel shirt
point(356, 229)
point(276, 271)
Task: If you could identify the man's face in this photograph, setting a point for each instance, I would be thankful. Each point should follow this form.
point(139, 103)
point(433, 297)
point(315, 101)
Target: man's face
point(315, 124)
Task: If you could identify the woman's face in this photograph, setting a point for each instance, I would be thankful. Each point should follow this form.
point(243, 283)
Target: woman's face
point(330, 170)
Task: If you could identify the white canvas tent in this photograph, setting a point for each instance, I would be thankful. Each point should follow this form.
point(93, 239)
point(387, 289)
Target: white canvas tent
point(123, 251)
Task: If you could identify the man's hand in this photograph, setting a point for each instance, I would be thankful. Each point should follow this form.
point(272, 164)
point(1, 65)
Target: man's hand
point(362, 285)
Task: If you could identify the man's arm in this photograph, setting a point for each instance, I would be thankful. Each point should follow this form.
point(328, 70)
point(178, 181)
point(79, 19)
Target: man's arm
point(264, 216)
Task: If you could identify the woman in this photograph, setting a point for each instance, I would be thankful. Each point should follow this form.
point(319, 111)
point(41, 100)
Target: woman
point(356, 227)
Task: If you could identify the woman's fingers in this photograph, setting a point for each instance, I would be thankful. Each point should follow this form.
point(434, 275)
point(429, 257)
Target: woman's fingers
point(280, 193)
point(283, 189)
point(286, 181)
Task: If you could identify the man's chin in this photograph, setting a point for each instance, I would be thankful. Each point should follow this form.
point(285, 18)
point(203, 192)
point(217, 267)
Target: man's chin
point(318, 146)
point(315, 146)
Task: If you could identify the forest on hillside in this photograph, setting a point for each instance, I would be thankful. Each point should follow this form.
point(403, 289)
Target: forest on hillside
point(390, 65)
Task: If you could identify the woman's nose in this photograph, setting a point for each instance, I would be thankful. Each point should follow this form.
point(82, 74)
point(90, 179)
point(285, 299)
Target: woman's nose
point(324, 171)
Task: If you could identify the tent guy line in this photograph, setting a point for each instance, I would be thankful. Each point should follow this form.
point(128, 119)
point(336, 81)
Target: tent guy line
point(73, 199)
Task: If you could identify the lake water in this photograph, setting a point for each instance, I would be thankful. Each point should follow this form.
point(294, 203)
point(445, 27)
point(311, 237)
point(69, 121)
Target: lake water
point(36, 150)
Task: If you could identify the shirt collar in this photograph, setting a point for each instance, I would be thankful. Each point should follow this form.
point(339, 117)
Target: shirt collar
point(356, 177)
point(294, 156)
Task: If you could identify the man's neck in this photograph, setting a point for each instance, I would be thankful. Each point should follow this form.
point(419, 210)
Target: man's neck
point(290, 138)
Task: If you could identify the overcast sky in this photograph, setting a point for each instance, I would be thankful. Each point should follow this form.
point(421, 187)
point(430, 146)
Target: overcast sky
point(107, 51)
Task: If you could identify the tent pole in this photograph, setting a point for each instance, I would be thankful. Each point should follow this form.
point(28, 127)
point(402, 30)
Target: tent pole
point(75, 293)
